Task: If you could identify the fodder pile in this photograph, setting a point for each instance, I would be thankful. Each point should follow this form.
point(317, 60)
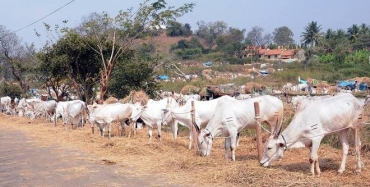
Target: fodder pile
point(206, 73)
point(110, 100)
point(136, 96)
point(251, 87)
point(172, 161)
point(362, 80)
point(188, 89)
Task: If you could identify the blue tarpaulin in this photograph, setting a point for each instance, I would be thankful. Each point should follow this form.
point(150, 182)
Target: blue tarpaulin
point(208, 63)
point(163, 77)
point(363, 87)
point(265, 72)
point(301, 81)
point(346, 83)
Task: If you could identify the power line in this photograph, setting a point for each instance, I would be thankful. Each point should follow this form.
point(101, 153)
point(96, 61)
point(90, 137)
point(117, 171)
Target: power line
point(43, 17)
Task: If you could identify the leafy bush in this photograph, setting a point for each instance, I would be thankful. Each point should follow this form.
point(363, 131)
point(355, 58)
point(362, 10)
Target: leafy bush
point(328, 58)
point(358, 57)
point(11, 90)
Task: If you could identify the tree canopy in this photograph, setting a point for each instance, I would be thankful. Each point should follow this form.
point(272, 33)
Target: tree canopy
point(283, 36)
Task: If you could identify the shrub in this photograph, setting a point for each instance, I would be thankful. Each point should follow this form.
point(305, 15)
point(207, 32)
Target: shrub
point(11, 90)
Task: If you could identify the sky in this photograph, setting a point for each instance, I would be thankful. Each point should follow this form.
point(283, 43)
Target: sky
point(25, 15)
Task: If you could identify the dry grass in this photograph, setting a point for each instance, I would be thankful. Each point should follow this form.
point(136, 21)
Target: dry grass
point(172, 160)
point(189, 89)
point(136, 96)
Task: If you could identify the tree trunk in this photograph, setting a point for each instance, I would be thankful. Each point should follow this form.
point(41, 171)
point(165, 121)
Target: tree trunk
point(104, 81)
point(103, 88)
point(17, 74)
point(19, 78)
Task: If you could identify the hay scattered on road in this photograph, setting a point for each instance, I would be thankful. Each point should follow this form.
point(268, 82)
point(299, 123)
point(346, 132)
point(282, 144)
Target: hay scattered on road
point(176, 163)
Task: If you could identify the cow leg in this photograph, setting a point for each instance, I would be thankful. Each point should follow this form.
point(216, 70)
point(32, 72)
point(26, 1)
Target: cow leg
point(109, 130)
point(237, 139)
point(122, 128)
point(344, 140)
point(150, 131)
point(102, 129)
point(92, 127)
point(82, 120)
point(233, 140)
point(159, 131)
point(314, 158)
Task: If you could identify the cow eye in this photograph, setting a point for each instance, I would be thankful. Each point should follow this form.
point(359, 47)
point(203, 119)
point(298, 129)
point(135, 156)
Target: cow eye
point(269, 148)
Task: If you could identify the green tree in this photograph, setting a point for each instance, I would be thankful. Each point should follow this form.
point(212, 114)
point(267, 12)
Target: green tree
point(210, 31)
point(71, 63)
point(122, 33)
point(186, 30)
point(232, 42)
point(13, 91)
point(17, 58)
point(311, 36)
point(283, 36)
point(174, 28)
point(353, 33)
point(188, 49)
point(132, 75)
point(364, 29)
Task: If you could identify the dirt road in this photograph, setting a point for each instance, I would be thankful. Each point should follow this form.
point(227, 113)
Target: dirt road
point(23, 163)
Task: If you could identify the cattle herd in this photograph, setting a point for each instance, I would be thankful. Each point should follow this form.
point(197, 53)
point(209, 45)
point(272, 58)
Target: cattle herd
point(315, 118)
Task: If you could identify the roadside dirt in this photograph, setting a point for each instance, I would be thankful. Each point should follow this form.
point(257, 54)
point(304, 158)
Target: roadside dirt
point(23, 162)
point(36, 153)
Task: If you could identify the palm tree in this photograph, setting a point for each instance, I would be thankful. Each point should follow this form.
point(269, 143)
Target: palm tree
point(353, 33)
point(340, 33)
point(364, 29)
point(312, 35)
point(330, 34)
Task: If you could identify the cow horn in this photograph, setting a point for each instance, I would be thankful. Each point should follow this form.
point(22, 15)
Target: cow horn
point(277, 129)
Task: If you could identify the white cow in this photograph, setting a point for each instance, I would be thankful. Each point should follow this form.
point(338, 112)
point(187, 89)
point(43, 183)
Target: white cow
point(102, 115)
point(72, 111)
point(184, 98)
point(22, 108)
point(204, 111)
point(5, 103)
point(42, 107)
point(152, 112)
point(312, 124)
point(60, 110)
point(231, 117)
point(300, 102)
point(242, 96)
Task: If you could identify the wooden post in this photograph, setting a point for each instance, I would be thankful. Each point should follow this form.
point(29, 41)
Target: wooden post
point(258, 130)
point(195, 133)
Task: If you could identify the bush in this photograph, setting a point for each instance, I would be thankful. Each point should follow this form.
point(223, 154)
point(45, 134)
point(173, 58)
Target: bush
point(11, 90)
